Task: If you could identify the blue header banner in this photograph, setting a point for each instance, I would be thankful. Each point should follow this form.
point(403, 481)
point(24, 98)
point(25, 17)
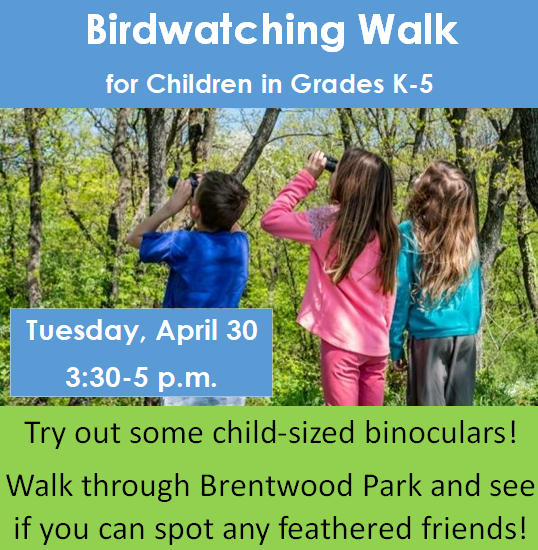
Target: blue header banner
point(141, 352)
point(246, 54)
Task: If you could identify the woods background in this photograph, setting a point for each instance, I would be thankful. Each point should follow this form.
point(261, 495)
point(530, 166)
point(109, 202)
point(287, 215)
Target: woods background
point(74, 181)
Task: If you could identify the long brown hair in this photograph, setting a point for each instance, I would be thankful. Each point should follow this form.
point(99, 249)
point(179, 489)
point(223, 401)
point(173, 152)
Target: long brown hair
point(442, 211)
point(364, 191)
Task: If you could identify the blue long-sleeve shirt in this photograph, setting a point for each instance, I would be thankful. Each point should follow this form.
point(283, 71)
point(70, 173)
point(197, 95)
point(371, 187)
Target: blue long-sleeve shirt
point(206, 269)
point(458, 316)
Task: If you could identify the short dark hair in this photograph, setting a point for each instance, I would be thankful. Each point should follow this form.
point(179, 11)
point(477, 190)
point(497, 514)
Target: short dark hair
point(221, 199)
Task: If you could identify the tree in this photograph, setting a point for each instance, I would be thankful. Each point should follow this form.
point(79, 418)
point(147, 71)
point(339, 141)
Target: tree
point(458, 118)
point(202, 127)
point(257, 144)
point(9, 214)
point(32, 118)
point(529, 134)
point(527, 253)
point(418, 142)
point(156, 138)
point(507, 150)
point(115, 220)
point(345, 126)
point(505, 153)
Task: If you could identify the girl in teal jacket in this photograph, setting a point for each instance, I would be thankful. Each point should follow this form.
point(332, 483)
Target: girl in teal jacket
point(439, 290)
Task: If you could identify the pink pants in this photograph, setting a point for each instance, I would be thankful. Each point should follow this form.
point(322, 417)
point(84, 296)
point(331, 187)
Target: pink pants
point(351, 379)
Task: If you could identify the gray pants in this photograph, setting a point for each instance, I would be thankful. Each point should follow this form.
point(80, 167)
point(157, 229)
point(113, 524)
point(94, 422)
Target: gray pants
point(442, 371)
point(202, 401)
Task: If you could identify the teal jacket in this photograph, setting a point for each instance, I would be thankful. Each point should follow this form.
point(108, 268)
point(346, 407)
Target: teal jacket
point(459, 316)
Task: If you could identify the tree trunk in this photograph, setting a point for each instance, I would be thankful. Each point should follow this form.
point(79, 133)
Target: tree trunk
point(499, 192)
point(257, 145)
point(141, 208)
point(11, 267)
point(417, 144)
point(345, 127)
point(173, 141)
point(385, 123)
point(156, 136)
point(457, 119)
point(356, 126)
point(527, 254)
point(529, 134)
point(32, 119)
point(115, 220)
point(178, 122)
point(202, 127)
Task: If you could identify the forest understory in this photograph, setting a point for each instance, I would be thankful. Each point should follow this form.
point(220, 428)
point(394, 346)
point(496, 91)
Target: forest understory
point(73, 182)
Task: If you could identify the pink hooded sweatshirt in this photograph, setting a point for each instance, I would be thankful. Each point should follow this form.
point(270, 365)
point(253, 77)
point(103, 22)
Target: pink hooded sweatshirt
point(354, 315)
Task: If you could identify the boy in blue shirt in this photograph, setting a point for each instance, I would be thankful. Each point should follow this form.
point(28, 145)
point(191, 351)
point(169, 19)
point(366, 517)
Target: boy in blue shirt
point(209, 266)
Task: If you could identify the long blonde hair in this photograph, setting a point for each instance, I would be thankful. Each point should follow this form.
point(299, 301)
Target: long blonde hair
point(442, 211)
point(364, 191)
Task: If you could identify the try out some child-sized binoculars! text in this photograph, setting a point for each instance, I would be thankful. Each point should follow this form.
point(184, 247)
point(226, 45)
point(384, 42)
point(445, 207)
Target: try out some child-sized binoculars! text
point(193, 180)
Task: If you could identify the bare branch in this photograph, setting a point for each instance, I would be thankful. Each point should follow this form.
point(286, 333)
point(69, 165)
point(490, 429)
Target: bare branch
point(257, 145)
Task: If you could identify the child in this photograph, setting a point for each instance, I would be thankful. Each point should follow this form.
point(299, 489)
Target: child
point(349, 298)
point(208, 267)
point(439, 290)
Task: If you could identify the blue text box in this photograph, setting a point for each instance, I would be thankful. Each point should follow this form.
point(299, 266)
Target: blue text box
point(141, 352)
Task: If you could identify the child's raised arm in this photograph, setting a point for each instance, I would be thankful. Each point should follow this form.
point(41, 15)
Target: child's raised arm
point(179, 199)
point(280, 220)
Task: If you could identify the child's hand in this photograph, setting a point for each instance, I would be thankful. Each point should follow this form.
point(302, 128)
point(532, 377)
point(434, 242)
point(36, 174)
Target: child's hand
point(180, 197)
point(399, 365)
point(316, 164)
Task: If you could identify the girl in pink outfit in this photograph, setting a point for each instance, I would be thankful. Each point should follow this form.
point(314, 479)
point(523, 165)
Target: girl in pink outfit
point(354, 245)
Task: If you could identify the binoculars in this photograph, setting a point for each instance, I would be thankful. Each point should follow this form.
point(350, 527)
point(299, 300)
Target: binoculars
point(331, 163)
point(193, 180)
